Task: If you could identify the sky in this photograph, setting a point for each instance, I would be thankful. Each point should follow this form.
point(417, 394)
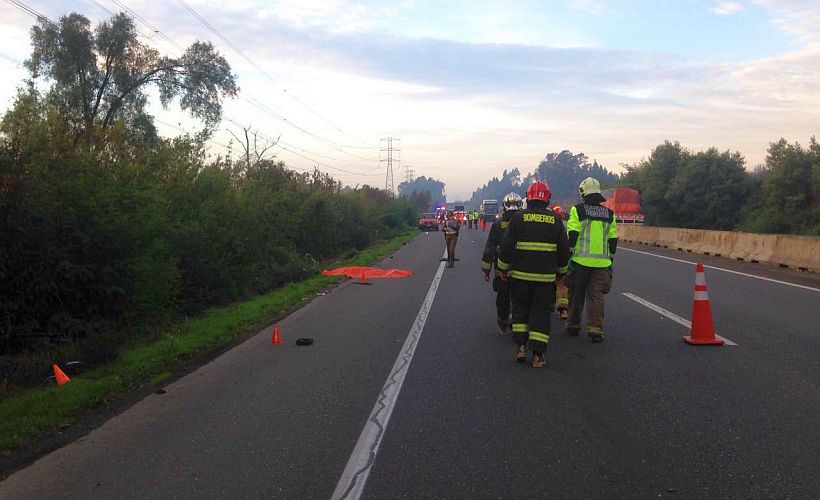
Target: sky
point(473, 87)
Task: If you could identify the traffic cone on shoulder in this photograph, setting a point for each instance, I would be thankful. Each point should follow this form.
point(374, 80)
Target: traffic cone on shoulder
point(703, 330)
point(276, 338)
point(60, 376)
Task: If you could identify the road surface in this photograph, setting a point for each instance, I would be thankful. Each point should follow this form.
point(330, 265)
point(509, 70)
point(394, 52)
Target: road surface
point(409, 387)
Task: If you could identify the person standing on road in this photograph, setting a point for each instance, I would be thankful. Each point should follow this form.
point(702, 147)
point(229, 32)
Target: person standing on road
point(593, 238)
point(561, 290)
point(534, 252)
point(512, 203)
point(451, 227)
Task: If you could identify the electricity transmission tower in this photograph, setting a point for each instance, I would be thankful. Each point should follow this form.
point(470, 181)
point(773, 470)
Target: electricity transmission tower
point(389, 153)
point(409, 174)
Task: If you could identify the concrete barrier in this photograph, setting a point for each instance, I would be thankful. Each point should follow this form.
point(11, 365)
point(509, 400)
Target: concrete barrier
point(797, 252)
point(802, 252)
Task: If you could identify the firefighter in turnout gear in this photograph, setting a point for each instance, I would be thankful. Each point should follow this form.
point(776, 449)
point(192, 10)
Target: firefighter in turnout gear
point(534, 252)
point(512, 203)
point(593, 238)
point(561, 291)
point(450, 229)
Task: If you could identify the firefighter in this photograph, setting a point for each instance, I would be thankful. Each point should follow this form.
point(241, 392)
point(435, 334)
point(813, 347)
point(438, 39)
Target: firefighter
point(593, 239)
point(534, 252)
point(561, 290)
point(451, 227)
point(512, 203)
point(470, 219)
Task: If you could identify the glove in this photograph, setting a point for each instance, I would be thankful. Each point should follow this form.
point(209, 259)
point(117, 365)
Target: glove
point(504, 276)
point(486, 275)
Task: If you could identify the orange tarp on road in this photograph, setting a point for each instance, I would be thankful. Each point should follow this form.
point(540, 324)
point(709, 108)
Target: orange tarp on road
point(368, 272)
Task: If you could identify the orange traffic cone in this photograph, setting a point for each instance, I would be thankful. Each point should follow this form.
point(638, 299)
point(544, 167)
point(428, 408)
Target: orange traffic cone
point(276, 339)
point(703, 330)
point(61, 377)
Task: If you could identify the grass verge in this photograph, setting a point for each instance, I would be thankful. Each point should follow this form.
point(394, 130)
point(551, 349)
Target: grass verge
point(39, 412)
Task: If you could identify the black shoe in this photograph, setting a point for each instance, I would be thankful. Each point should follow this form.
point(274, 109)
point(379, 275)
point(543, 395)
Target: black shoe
point(596, 337)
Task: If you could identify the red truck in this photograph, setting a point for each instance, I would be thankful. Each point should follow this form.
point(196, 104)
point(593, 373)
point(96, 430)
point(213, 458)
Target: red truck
point(626, 203)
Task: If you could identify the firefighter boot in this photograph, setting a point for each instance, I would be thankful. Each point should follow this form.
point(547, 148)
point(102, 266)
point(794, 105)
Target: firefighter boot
point(538, 360)
point(521, 355)
point(595, 337)
point(562, 312)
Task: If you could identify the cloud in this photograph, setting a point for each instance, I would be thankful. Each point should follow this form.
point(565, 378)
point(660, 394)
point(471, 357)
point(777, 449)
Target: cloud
point(799, 18)
point(727, 8)
point(589, 6)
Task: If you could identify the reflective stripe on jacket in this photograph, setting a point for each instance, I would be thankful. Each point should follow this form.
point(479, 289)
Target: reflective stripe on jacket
point(535, 246)
point(595, 225)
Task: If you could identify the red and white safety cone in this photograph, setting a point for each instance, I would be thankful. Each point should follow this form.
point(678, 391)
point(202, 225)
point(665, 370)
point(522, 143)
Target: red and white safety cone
point(703, 330)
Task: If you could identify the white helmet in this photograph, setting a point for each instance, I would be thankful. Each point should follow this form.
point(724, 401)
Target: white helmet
point(589, 186)
point(513, 201)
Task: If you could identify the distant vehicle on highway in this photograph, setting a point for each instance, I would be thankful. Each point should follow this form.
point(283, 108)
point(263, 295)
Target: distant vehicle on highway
point(488, 212)
point(626, 203)
point(428, 222)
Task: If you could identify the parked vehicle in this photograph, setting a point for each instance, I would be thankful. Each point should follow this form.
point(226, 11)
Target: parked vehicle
point(488, 212)
point(626, 203)
point(428, 222)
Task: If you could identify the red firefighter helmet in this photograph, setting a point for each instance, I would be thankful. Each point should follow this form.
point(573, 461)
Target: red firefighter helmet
point(558, 211)
point(539, 191)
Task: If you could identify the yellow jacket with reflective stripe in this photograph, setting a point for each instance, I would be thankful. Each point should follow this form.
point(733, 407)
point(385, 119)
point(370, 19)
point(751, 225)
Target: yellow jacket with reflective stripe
point(595, 225)
point(535, 246)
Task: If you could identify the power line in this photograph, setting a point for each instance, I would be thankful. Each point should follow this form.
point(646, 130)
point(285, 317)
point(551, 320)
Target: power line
point(11, 59)
point(250, 98)
point(30, 11)
point(261, 70)
point(150, 26)
point(291, 149)
point(253, 101)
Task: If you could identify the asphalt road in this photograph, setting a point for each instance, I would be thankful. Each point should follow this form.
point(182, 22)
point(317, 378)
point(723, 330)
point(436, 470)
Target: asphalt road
point(642, 415)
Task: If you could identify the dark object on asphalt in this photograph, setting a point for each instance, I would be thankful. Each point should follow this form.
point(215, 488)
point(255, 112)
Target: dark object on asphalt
point(161, 391)
point(303, 341)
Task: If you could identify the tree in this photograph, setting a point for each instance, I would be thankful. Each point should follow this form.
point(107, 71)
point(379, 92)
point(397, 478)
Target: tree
point(496, 189)
point(655, 176)
point(790, 196)
point(564, 171)
point(709, 190)
point(424, 184)
point(98, 78)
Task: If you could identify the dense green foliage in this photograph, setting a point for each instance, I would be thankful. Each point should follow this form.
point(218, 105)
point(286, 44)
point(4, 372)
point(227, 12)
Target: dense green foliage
point(108, 229)
point(712, 189)
point(496, 189)
point(425, 191)
point(563, 172)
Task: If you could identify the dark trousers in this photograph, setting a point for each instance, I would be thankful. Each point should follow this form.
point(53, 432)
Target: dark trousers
point(588, 286)
point(451, 249)
point(531, 309)
point(502, 300)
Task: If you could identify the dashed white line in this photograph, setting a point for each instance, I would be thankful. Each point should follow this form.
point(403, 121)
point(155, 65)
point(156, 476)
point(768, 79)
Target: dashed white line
point(723, 269)
point(674, 317)
point(354, 477)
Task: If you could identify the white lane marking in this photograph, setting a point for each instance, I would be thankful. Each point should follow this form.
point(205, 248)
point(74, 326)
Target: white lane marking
point(722, 269)
point(351, 484)
point(674, 317)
